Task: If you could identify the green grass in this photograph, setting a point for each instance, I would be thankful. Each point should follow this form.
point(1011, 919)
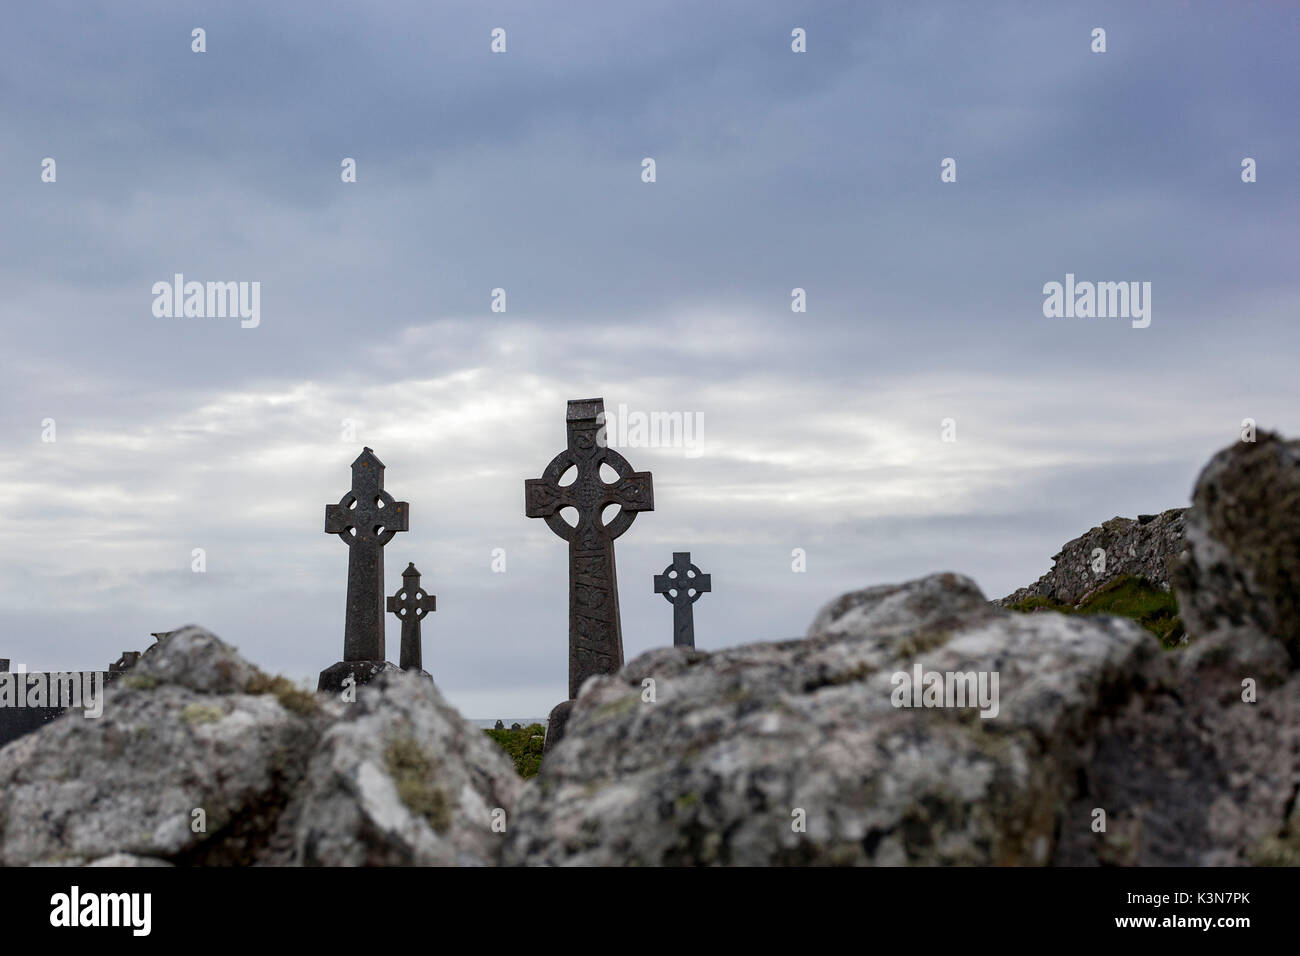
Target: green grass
point(1126, 596)
point(522, 748)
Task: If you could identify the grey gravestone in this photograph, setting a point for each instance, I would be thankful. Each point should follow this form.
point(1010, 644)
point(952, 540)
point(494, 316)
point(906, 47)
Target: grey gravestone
point(411, 604)
point(365, 519)
point(682, 584)
point(595, 632)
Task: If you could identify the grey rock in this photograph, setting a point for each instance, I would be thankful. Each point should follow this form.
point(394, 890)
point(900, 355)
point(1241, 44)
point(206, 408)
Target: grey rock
point(196, 727)
point(1190, 773)
point(739, 744)
point(1241, 573)
point(129, 781)
point(403, 779)
point(198, 660)
point(126, 859)
point(736, 743)
point(1143, 546)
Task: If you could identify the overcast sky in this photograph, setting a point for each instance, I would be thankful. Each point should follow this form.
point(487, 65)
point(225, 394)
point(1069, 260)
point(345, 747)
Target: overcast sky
point(523, 171)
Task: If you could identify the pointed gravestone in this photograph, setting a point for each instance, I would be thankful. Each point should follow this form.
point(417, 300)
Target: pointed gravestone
point(411, 604)
point(365, 519)
point(595, 632)
point(682, 583)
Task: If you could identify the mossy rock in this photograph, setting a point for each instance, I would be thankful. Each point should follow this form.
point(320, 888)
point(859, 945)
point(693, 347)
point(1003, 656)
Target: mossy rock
point(1126, 596)
point(413, 769)
point(291, 697)
point(201, 714)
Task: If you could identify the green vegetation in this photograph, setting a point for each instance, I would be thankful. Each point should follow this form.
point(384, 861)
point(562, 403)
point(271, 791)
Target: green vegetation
point(522, 748)
point(1126, 596)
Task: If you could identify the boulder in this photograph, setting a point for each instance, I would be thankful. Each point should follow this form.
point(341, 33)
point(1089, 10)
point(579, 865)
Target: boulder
point(793, 752)
point(796, 753)
point(1241, 573)
point(403, 779)
point(200, 758)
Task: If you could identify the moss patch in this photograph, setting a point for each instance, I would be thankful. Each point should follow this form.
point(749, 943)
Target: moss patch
point(412, 769)
point(618, 707)
point(141, 681)
point(291, 697)
point(201, 714)
point(522, 748)
point(920, 643)
point(1126, 596)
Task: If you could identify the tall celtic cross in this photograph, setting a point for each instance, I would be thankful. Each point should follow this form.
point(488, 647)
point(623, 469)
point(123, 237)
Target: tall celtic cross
point(411, 604)
point(366, 518)
point(595, 632)
point(681, 584)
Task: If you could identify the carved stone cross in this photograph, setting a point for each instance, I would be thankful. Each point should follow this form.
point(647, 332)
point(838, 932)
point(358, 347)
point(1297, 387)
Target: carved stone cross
point(595, 632)
point(411, 604)
point(366, 518)
point(681, 584)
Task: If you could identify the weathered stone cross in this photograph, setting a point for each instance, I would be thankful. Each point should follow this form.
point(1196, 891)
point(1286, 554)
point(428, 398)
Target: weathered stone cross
point(366, 518)
point(595, 632)
point(681, 584)
point(411, 604)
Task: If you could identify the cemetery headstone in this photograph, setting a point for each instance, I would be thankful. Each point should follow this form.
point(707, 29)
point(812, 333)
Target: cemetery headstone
point(595, 631)
point(365, 519)
point(682, 584)
point(411, 604)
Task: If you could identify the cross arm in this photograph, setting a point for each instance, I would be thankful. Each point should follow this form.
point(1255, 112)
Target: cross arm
point(542, 497)
point(336, 519)
point(634, 492)
point(396, 516)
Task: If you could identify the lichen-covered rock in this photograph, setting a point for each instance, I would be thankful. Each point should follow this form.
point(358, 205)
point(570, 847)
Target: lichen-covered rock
point(794, 753)
point(1241, 572)
point(1203, 771)
point(1144, 547)
point(197, 659)
point(200, 758)
point(189, 762)
point(403, 779)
